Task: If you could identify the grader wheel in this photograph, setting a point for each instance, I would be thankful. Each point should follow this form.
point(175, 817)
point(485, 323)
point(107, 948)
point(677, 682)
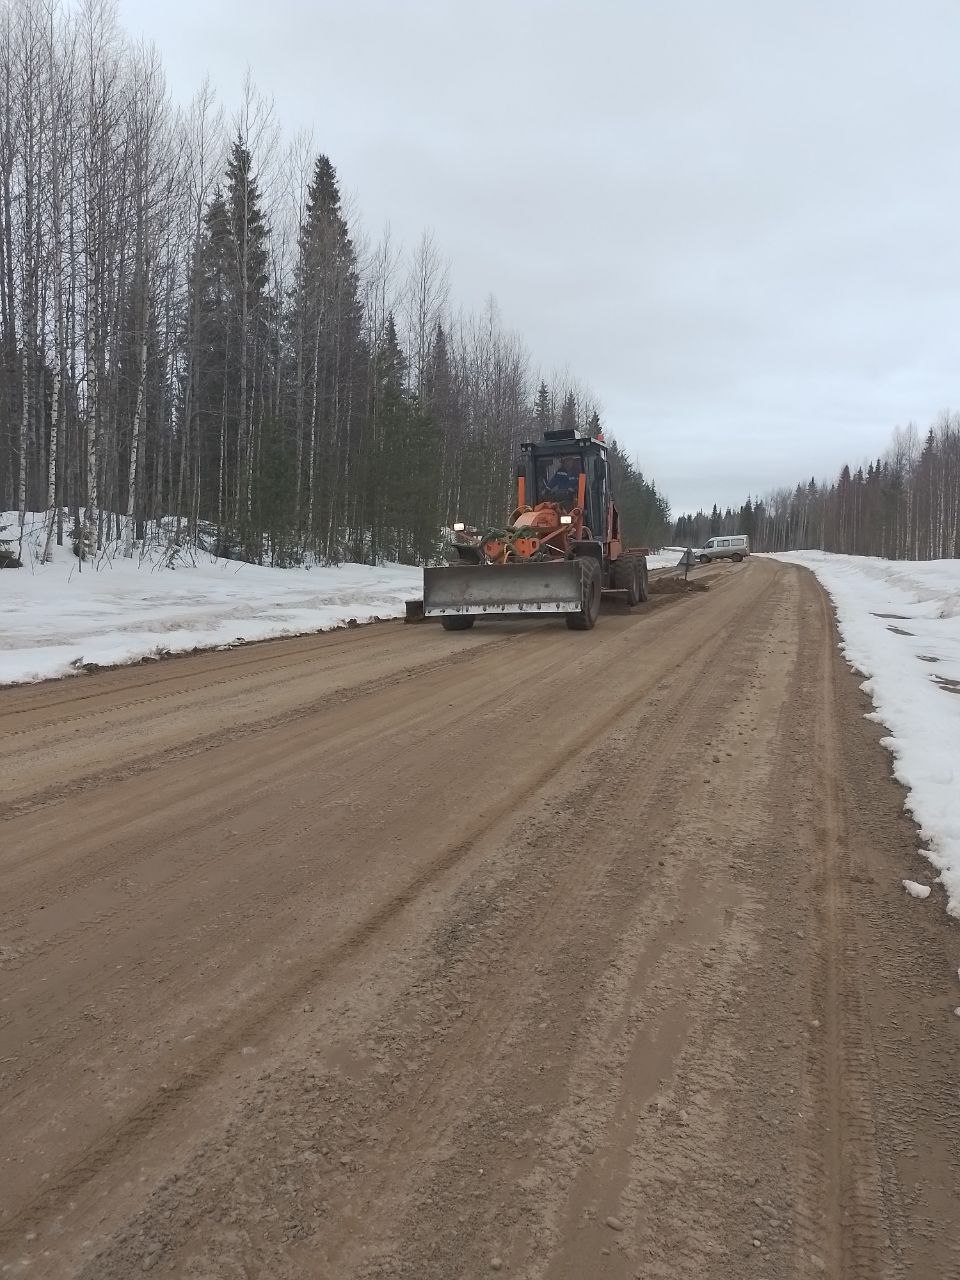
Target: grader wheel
point(591, 587)
point(627, 575)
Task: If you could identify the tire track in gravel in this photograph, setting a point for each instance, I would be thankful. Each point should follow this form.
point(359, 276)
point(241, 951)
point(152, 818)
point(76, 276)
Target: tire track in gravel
point(848, 1232)
point(116, 688)
point(202, 744)
point(187, 800)
point(144, 1119)
point(670, 1018)
point(480, 1047)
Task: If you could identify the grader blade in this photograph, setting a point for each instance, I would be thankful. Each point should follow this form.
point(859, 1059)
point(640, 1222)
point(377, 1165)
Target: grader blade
point(537, 587)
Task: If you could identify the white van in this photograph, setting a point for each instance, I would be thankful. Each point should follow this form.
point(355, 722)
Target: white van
point(733, 548)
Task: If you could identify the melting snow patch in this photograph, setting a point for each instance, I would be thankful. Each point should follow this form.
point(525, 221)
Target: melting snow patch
point(916, 890)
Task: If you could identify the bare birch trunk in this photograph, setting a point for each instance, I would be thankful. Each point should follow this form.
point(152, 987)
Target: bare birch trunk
point(137, 415)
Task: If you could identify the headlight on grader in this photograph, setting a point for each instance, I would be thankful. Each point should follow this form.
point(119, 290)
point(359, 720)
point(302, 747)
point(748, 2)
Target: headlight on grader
point(459, 526)
point(563, 520)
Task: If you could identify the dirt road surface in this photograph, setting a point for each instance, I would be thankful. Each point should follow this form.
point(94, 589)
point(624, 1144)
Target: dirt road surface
point(398, 953)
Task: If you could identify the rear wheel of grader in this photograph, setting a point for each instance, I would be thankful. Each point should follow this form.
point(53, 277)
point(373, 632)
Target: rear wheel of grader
point(591, 586)
point(644, 581)
point(458, 622)
point(626, 576)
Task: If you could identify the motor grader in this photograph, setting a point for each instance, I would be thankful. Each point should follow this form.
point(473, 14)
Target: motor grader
point(559, 551)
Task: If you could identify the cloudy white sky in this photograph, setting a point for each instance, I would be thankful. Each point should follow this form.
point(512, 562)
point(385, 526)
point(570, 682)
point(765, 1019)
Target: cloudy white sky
point(735, 219)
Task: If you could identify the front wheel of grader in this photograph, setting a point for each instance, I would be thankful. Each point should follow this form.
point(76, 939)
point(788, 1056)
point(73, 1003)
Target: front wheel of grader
point(591, 588)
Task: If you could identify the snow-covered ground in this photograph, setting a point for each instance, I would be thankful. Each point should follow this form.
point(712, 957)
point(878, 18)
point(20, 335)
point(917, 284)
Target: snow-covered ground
point(57, 617)
point(668, 558)
point(900, 626)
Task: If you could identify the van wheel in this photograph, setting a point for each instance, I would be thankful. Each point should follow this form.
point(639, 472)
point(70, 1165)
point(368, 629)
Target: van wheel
point(736, 557)
point(457, 622)
point(591, 586)
point(704, 559)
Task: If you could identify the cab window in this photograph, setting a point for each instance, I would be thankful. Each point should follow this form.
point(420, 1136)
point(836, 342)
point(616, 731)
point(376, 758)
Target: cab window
point(548, 468)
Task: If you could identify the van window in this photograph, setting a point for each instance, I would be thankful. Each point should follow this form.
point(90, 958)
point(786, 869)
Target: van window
point(724, 542)
point(711, 542)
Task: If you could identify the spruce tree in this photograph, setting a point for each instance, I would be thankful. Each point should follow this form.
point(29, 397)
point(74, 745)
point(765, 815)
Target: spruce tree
point(250, 322)
point(385, 460)
point(326, 319)
point(247, 225)
point(569, 414)
point(543, 409)
point(217, 362)
point(747, 525)
point(441, 403)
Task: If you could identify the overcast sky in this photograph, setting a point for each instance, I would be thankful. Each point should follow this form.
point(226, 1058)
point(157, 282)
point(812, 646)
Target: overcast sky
point(735, 219)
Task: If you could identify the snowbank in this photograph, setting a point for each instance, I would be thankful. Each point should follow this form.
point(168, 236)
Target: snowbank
point(57, 617)
point(900, 626)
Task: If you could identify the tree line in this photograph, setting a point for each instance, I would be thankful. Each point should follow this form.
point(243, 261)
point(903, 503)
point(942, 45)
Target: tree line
point(194, 327)
point(905, 505)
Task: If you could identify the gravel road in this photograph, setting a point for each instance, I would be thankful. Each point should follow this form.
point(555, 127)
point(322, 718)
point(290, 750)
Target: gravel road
point(393, 952)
